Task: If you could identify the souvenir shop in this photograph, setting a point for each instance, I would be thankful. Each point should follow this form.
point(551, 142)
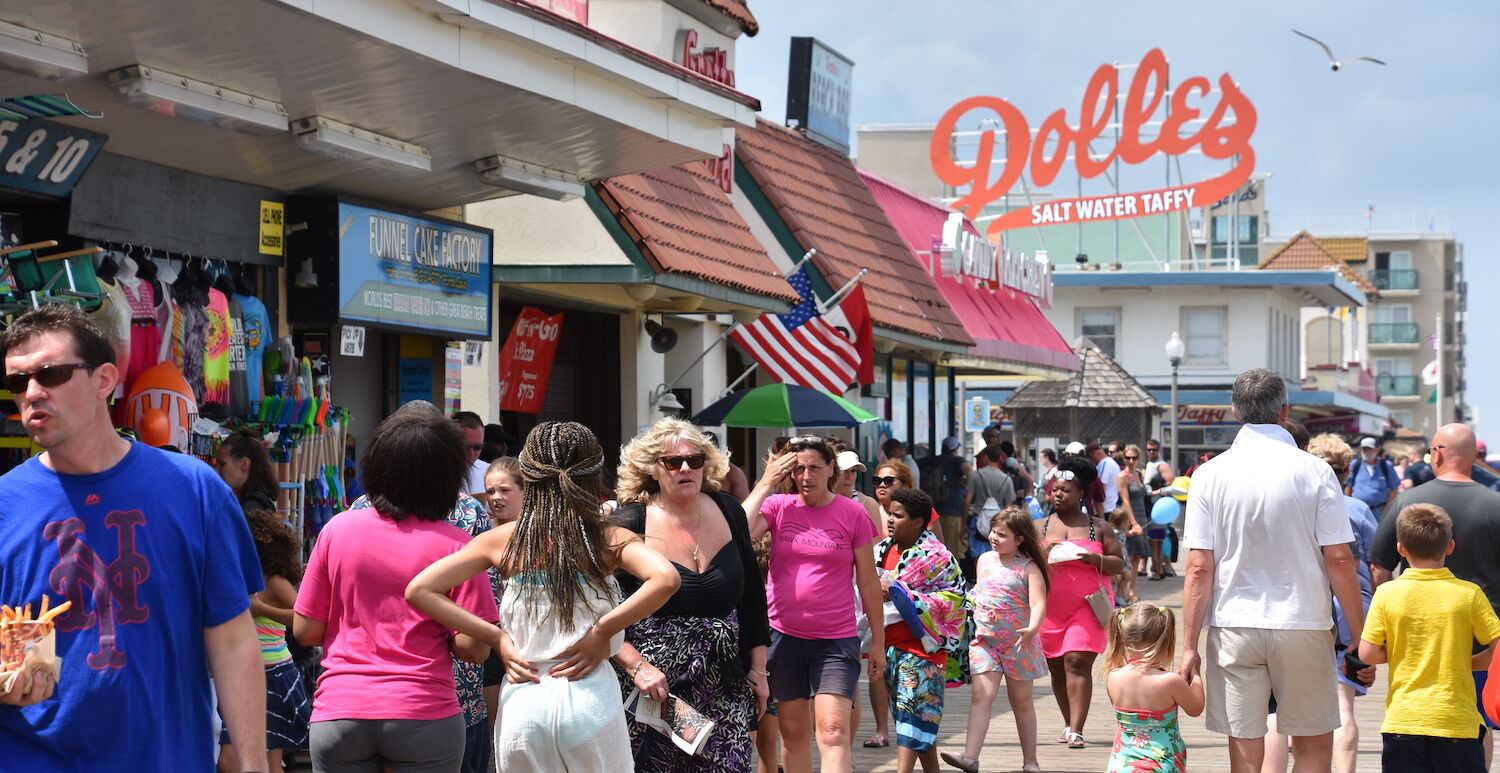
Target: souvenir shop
point(184, 271)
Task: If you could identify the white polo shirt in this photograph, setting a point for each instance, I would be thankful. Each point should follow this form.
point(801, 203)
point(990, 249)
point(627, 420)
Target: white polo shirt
point(1266, 508)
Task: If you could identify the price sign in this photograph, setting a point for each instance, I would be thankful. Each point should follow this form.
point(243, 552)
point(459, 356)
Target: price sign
point(45, 157)
point(352, 344)
point(473, 353)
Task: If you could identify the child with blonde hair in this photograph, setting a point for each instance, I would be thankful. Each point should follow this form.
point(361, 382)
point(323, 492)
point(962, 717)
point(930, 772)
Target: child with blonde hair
point(1009, 602)
point(1145, 692)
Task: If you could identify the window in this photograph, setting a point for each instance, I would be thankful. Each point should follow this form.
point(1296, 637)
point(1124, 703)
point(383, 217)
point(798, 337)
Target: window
point(1246, 237)
point(1392, 313)
point(1399, 260)
point(1102, 326)
point(1204, 329)
point(1402, 418)
point(1392, 366)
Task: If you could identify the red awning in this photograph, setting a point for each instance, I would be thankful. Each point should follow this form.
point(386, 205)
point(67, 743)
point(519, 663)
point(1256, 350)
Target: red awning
point(1005, 324)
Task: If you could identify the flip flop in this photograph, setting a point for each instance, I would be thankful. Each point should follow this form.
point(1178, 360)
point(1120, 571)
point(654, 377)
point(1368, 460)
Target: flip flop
point(1067, 731)
point(1031, 767)
point(876, 742)
point(1075, 740)
point(961, 762)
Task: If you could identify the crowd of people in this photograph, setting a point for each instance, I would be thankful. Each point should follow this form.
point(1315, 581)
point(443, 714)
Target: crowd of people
point(516, 612)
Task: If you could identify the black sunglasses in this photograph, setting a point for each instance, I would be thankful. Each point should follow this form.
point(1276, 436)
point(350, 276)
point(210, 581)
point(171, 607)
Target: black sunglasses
point(889, 480)
point(696, 461)
point(48, 377)
point(1132, 457)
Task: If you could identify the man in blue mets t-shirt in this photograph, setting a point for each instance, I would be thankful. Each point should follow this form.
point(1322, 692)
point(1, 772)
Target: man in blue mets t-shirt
point(152, 552)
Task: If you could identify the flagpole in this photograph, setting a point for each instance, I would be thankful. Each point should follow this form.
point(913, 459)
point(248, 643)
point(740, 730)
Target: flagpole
point(1438, 402)
point(848, 287)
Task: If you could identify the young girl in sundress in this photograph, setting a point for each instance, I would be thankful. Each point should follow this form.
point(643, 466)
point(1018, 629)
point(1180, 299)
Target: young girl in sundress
point(1145, 692)
point(1009, 602)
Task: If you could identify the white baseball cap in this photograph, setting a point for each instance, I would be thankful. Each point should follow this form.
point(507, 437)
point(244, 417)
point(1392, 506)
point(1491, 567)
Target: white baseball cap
point(1074, 447)
point(1368, 442)
point(848, 460)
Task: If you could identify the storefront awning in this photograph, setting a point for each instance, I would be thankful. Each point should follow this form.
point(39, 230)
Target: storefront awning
point(465, 81)
point(1010, 333)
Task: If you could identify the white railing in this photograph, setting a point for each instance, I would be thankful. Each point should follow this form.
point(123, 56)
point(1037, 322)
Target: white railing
point(1405, 222)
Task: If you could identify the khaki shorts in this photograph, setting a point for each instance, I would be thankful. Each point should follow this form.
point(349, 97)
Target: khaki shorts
point(1244, 666)
point(953, 535)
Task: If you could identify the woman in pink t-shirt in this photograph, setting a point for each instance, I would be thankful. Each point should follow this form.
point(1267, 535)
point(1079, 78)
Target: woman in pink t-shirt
point(820, 544)
point(387, 692)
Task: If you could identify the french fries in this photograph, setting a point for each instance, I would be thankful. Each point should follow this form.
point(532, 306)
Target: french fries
point(20, 633)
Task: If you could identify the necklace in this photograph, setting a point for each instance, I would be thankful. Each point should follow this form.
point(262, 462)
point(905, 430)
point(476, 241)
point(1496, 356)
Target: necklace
point(693, 545)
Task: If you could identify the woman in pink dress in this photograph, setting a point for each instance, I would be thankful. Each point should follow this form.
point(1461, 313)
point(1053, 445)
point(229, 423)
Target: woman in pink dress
point(1072, 635)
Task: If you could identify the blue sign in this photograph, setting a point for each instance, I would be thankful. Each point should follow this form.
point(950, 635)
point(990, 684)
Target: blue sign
point(45, 157)
point(413, 272)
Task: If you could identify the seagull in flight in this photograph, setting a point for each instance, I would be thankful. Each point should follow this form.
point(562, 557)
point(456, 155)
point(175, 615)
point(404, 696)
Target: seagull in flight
point(1332, 60)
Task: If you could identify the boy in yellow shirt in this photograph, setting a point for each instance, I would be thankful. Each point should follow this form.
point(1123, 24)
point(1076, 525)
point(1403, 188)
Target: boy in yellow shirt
point(1425, 623)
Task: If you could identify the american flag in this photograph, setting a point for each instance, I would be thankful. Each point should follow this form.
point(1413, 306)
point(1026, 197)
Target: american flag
point(800, 347)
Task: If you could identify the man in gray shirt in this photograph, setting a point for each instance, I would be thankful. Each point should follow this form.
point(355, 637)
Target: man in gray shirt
point(985, 483)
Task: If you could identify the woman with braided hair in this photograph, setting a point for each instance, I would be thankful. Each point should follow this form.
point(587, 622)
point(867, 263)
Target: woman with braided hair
point(561, 614)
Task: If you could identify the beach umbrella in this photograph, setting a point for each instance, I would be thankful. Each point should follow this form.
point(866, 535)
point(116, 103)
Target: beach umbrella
point(783, 405)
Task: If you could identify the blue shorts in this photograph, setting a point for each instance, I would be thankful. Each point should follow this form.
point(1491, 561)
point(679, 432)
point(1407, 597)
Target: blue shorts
point(803, 668)
point(287, 708)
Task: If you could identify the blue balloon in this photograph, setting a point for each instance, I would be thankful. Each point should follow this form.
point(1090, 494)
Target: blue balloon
point(1165, 510)
point(1034, 507)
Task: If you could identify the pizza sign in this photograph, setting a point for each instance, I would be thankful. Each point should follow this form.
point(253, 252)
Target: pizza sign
point(1224, 134)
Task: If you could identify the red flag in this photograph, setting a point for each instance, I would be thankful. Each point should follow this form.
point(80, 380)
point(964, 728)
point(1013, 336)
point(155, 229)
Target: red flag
point(852, 318)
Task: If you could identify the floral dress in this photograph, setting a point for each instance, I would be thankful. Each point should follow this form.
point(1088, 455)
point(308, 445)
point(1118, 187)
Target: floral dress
point(1147, 741)
point(1001, 599)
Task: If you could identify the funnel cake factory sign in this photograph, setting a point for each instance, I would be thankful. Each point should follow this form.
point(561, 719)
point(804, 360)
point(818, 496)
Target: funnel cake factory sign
point(1223, 134)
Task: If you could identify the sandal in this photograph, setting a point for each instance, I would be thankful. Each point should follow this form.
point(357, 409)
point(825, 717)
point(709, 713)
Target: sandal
point(1075, 740)
point(1031, 767)
point(876, 741)
point(961, 762)
point(1067, 731)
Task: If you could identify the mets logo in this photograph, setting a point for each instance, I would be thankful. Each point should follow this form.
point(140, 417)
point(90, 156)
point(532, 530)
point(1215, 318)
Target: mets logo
point(114, 587)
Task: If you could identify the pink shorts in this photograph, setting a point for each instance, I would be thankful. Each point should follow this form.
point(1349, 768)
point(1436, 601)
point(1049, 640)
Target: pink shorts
point(998, 652)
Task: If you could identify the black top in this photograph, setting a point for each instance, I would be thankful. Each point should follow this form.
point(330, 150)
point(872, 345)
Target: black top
point(255, 500)
point(730, 581)
point(1475, 511)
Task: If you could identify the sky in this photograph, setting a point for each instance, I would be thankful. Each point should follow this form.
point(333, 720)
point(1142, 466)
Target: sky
point(1416, 133)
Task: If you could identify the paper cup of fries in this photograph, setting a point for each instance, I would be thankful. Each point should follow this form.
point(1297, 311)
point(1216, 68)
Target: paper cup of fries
point(28, 643)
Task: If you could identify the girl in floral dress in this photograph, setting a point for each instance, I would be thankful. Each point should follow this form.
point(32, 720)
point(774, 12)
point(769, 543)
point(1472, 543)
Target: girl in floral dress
point(1009, 603)
point(1146, 693)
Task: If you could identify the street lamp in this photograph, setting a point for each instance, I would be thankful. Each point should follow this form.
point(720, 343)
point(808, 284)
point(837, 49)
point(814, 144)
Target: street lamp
point(1175, 351)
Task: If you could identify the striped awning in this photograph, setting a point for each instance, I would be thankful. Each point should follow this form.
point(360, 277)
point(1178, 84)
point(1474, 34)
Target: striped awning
point(42, 106)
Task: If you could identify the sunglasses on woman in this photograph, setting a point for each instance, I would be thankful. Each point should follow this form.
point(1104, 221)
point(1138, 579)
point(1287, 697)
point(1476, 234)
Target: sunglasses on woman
point(889, 480)
point(1131, 458)
point(696, 461)
point(48, 377)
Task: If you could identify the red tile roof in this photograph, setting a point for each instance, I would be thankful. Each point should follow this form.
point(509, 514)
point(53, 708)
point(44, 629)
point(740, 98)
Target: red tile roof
point(739, 10)
point(1005, 324)
point(684, 223)
point(1305, 252)
point(819, 195)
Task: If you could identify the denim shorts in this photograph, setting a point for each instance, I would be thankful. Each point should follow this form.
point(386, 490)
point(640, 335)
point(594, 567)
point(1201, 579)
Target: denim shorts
point(803, 668)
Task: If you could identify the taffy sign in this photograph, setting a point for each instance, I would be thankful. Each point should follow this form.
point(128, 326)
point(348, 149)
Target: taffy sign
point(1225, 134)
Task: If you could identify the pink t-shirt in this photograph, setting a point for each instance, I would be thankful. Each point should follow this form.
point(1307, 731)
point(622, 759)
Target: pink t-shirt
point(810, 582)
point(382, 658)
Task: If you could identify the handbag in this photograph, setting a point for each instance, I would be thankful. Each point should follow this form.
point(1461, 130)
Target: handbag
point(1099, 601)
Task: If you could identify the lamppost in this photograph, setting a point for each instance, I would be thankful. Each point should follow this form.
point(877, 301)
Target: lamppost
point(1175, 351)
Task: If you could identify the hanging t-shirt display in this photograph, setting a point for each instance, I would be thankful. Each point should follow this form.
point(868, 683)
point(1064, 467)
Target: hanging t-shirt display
point(239, 401)
point(189, 329)
point(216, 352)
point(145, 335)
point(257, 337)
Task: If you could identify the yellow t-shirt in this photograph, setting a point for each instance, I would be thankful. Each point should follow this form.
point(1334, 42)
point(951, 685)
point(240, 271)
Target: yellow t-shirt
point(1428, 620)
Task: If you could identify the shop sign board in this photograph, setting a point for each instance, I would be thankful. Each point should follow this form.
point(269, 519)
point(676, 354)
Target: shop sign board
point(352, 341)
point(411, 272)
point(976, 414)
point(44, 157)
point(272, 228)
point(820, 84)
point(967, 255)
point(1224, 135)
point(526, 360)
point(710, 62)
point(1205, 414)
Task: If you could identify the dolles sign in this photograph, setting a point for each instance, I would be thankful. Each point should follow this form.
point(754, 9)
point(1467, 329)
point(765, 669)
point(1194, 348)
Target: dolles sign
point(1223, 135)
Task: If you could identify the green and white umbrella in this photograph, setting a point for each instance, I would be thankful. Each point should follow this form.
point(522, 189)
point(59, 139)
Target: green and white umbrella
point(783, 405)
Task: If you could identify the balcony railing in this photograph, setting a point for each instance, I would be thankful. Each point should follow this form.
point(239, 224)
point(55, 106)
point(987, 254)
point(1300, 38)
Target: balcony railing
point(1396, 386)
point(1394, 278)
point(1393, 332)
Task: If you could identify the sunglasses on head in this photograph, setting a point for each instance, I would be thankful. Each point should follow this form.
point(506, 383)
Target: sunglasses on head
point(1067, 475)
point(804, 439)
point(48, 377)
point(696, 461)
point(888, 480)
